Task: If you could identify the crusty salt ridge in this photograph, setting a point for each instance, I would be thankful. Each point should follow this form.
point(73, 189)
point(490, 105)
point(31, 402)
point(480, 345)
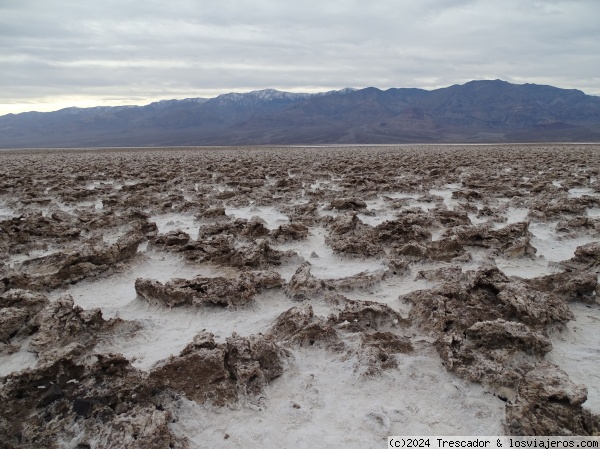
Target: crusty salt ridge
point(425, 216)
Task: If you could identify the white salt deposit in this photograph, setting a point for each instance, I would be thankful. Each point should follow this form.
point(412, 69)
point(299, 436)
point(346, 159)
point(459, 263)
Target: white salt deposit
point(176, 222)
point(6, 213)
point(166, 331)
point(576, 350)
point(17, 361)
point(322, 212)
point(446, 194)
point(320, 185)
point(526, 268)
point(269, 214)
point(377, 219)
point(111, 235)
point(402, 195)
point(92, 185)
point(112, 292)
point(320, 401)
point(581, 191)
point(425, 206)
point(516, 215)
point(377, 212)
point(553, 248)
point(550, 249)
point(389, 290)
point(513, 215)
point(437, 234)
point(16, 259)
point(593, 212)
point(476, 220)
point(326, 264)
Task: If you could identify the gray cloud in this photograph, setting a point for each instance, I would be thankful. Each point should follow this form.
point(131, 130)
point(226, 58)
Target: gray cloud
point(137, 51)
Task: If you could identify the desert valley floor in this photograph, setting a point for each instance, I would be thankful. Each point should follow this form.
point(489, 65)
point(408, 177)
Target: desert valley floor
point(298, 296)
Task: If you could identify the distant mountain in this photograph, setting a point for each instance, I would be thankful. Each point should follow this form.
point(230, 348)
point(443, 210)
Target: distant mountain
point(478, 111)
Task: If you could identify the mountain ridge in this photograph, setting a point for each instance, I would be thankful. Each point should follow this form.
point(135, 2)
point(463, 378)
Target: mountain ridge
point(486, 111)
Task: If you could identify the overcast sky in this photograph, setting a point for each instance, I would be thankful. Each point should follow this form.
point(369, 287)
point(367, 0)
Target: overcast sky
point(62, 53)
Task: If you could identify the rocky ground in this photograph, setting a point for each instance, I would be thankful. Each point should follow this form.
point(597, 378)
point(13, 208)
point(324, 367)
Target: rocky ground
point(188, 298)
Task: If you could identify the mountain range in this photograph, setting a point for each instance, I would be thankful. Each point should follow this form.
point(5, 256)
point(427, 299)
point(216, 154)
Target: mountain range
point(485, 111)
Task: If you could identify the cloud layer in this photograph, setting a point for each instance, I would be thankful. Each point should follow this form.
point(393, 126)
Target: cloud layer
point(63, 52)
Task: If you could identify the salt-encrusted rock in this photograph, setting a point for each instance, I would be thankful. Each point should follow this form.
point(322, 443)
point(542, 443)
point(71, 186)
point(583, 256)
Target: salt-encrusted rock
point(452, 218)
point(258, 255)
point(252, 229)
point(568, 285)
point(501, 334)
point(533, 307)
point(512, 240)
point(490, 329)
point(344, 224)
point(556, 206)
point(290, 231)
point(445, 274)
point(253, 361)
point(28, 228)
point(484, 295)
point(103, 402)
point(201, 374)
point(405, 229)
point(12, 320)
point(548, 403)
point(299, 326)
point(398, 266)
point(359, 281)
point(255, 228)
point(61, 323)
point(48, 272)
point(492, 352)
point(579, 280)
point(221, 373)
point(444, 249)
point(577, 224)
point(263, 279)
point(204, 291)
point(348, 203)
point(222, 249)
point(173, 238)
point(348, 235)
point(369, 315)
point(467, 194)
point(304, 285)
point(376, 353)
point(24, 299)
point(214, 212)
point(586, 256)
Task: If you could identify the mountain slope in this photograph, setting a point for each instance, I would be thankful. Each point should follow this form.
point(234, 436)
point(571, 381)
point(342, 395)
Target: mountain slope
point(478, 111)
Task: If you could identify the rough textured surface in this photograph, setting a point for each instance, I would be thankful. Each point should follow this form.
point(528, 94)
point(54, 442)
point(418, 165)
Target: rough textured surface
point(358, 290)
point(102, 402)
point(221, 373)
point(548, 403)
point(214, 291)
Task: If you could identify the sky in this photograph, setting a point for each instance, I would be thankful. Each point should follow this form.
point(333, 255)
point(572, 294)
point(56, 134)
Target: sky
point(60, 53)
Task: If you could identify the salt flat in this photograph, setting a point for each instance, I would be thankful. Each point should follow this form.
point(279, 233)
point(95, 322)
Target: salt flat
point(194, 297)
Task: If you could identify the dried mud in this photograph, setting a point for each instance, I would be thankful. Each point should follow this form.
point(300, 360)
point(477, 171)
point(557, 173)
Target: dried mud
point(185, 298)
